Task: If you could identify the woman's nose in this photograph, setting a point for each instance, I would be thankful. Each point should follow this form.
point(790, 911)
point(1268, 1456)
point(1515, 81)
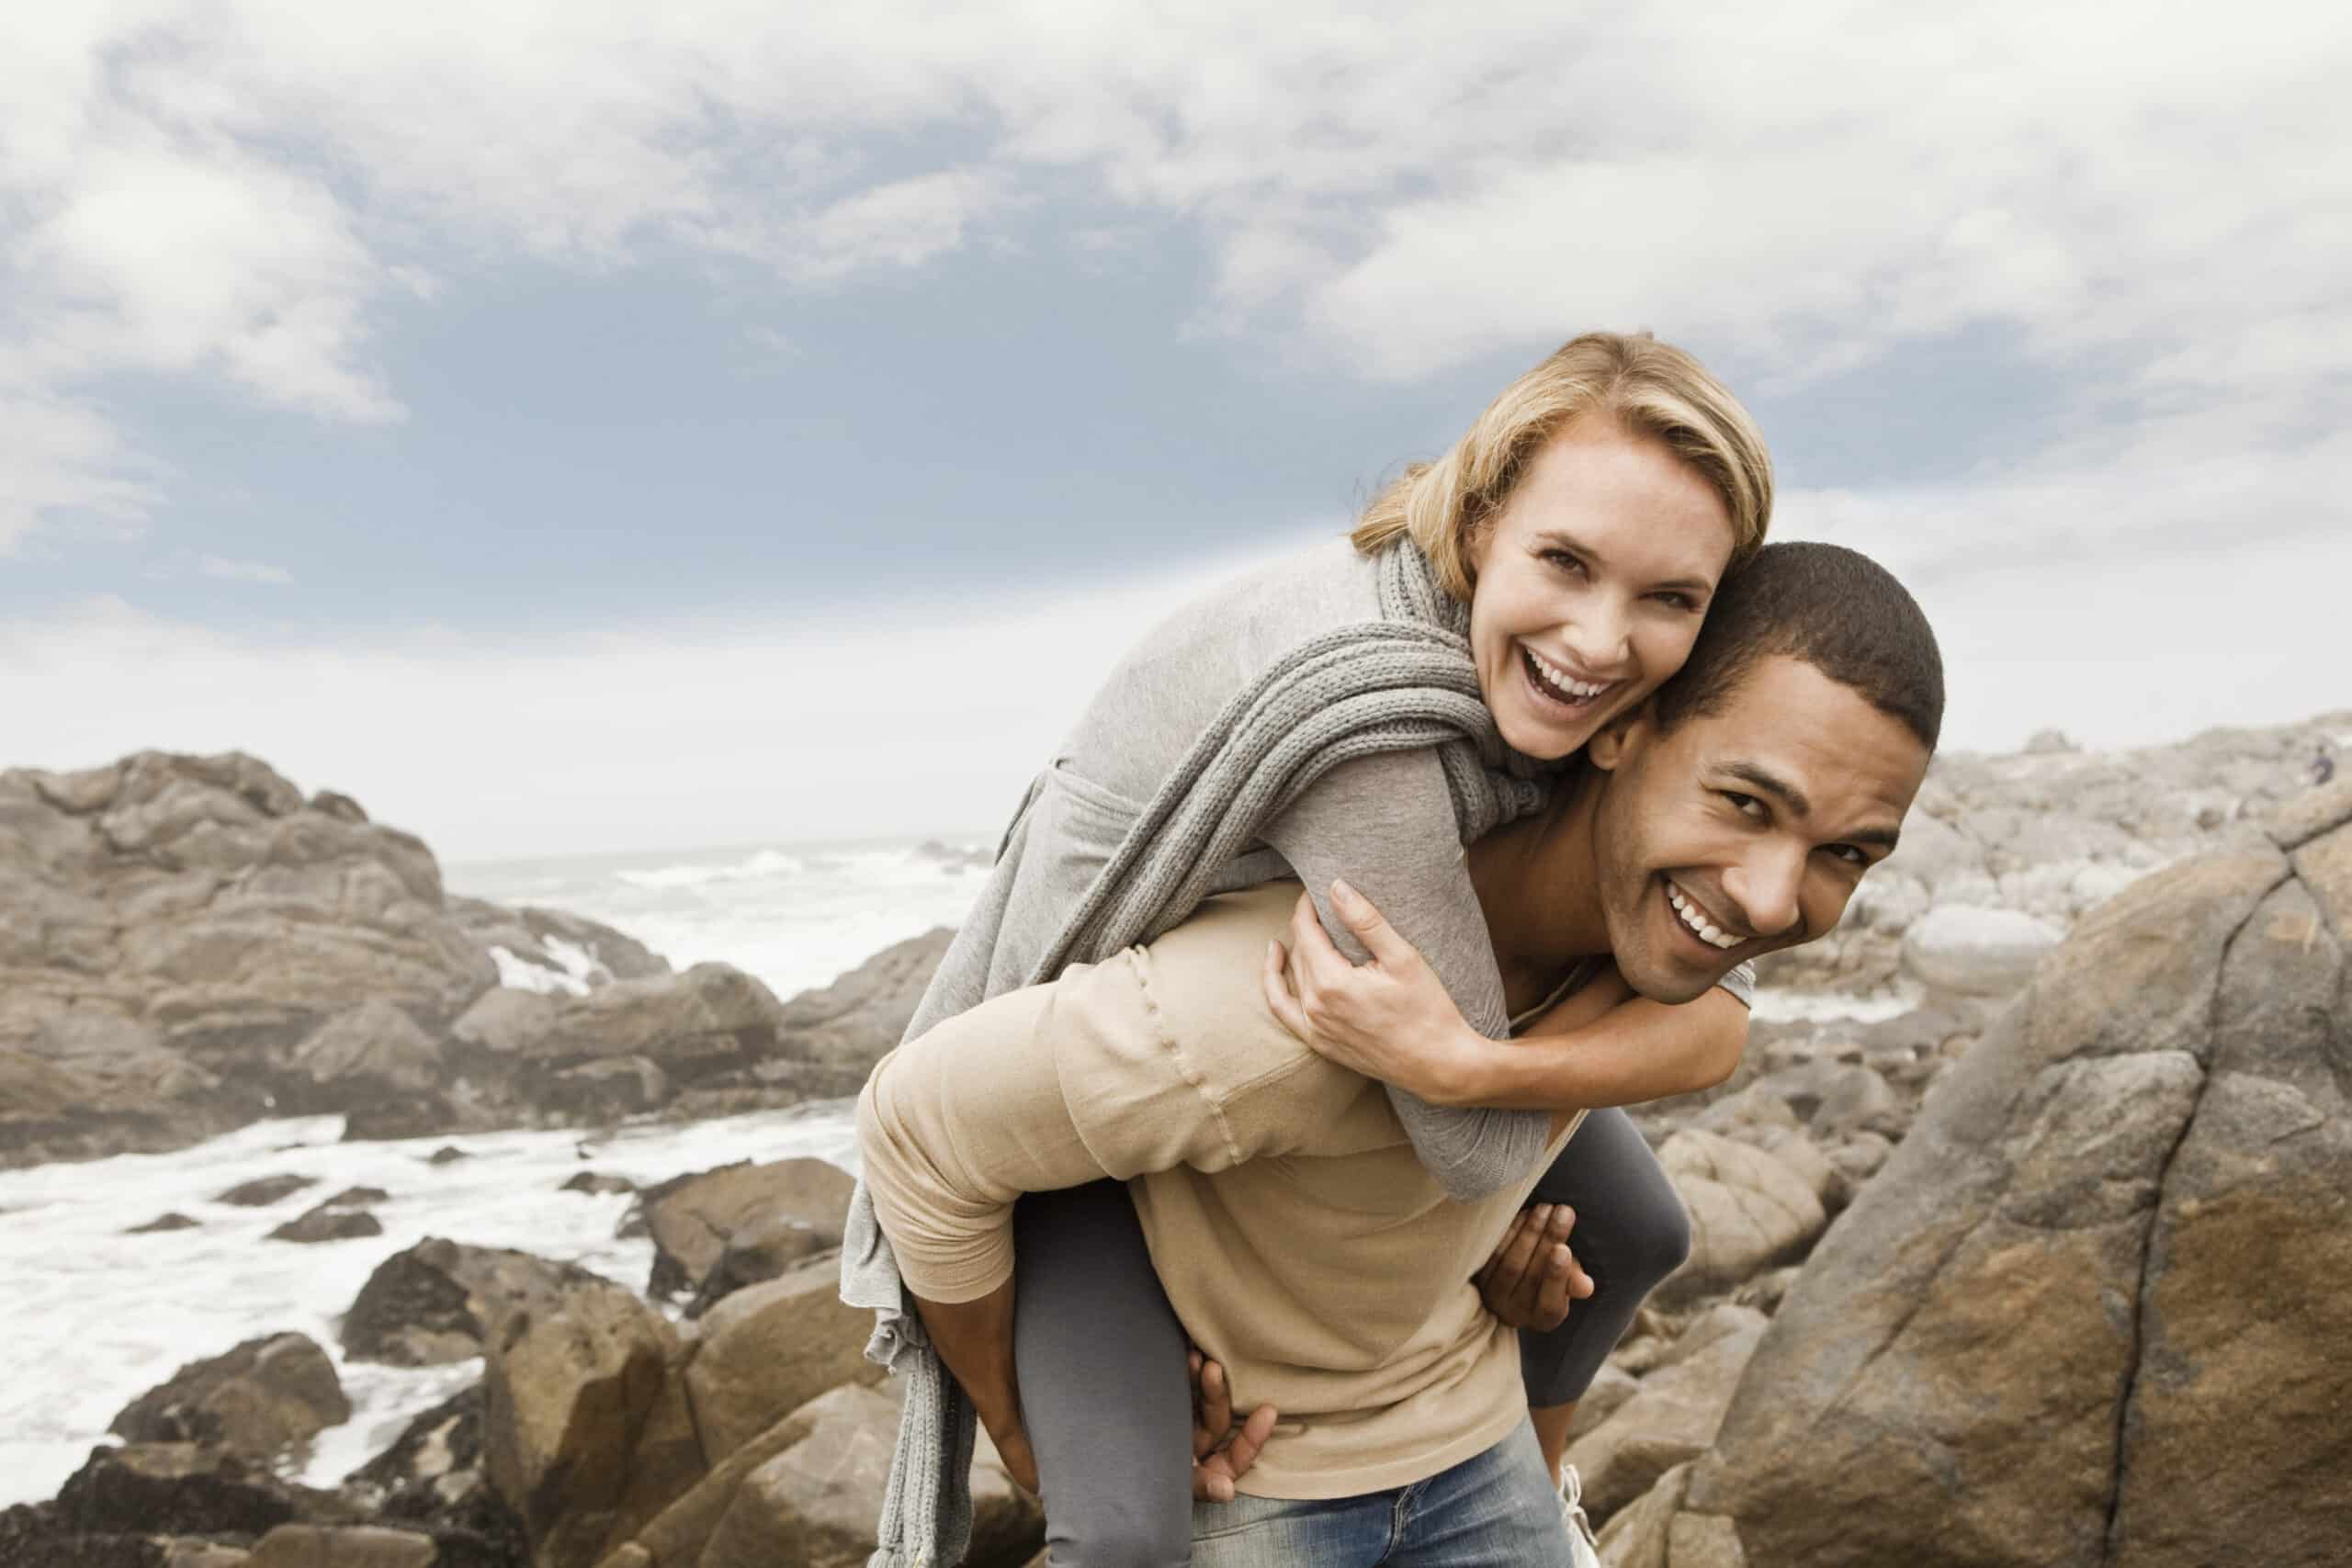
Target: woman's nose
point(1601, 637)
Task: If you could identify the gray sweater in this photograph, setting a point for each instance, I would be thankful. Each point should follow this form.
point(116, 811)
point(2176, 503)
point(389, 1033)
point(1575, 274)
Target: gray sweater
point(1391, 815)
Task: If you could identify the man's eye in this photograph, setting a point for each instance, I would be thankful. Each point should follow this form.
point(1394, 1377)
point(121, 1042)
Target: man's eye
point(1852, 856)
point(1745, 804)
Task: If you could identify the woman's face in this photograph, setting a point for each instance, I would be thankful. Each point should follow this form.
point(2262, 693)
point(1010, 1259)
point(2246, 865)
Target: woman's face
point(1591, 582)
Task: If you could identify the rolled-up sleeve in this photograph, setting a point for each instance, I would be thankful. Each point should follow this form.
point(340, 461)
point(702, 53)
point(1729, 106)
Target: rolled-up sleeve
point(1154, 1059)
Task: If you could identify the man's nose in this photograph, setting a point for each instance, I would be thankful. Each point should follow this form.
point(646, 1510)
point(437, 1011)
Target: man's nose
point(1765, 883)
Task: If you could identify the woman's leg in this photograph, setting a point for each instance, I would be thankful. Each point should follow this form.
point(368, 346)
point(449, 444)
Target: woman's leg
point(1104, 1393)
point(1631, 1233)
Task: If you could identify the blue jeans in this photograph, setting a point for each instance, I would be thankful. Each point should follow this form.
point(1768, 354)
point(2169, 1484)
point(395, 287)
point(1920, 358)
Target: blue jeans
point(1497, 1510)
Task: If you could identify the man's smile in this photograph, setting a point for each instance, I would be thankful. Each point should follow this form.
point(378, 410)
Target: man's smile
point(1695, 918)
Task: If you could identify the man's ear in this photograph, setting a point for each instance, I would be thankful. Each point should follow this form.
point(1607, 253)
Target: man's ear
point(1621, 736)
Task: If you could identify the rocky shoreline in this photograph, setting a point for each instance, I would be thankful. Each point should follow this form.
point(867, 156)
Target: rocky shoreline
point(188, 944)
point(2054, 1239)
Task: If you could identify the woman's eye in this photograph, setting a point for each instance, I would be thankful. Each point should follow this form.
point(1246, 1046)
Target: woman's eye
point(1676, 601)
point(1563, 560)
point(1851, 856)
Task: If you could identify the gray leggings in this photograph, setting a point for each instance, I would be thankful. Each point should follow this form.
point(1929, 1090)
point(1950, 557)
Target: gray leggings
point(1100, 1355)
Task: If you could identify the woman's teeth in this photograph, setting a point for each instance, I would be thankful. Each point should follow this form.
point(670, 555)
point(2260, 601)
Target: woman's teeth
point(1558, 682)
point(1692, 916)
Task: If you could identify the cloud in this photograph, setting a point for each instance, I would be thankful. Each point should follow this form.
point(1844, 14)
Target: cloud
point(234, 190)
point(662, 736)
point(60, 457)
point(245, 571)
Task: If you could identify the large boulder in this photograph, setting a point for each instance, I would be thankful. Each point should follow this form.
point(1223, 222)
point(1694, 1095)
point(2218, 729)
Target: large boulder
point(771, 1348)
point(2092, 1308)
point(441, 1301)
point(718, 1230)
point(256, 1399)
point(569, 1392)
point(189, 944)
point(171, 927)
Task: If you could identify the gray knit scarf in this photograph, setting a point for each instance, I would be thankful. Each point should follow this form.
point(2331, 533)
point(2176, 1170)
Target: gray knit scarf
point(1399, 683)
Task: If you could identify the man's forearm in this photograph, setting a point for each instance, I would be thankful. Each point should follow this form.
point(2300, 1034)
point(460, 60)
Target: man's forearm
point(1639, 1050)
point(975, 1339)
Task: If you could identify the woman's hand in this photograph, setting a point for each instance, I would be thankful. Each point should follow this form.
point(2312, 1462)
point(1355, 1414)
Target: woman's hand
point(1532, 1276)
point(1222, 1453)
point(1389, 1019)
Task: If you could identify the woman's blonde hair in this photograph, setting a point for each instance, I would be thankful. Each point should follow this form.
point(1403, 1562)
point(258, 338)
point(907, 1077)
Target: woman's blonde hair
point(1654, 387)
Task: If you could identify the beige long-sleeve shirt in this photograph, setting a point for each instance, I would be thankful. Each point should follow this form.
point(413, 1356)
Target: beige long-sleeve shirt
point(1299, 1237)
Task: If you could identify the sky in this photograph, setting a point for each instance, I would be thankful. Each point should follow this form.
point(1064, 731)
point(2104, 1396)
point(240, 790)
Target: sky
point(572, 427)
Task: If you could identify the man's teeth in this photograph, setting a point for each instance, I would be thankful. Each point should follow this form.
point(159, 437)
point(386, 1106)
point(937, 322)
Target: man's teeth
point(1553, 674)
point(1692, 916)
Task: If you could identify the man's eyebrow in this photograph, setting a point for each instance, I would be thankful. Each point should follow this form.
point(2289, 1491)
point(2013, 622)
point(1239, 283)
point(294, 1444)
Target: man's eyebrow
point(1765, 782)
point(1771, 783)
point(1569, 542)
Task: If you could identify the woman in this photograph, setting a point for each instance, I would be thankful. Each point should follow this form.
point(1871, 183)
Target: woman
point(1359, 712)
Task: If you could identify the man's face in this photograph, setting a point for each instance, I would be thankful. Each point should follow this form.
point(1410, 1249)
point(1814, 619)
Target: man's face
point(1745, 831)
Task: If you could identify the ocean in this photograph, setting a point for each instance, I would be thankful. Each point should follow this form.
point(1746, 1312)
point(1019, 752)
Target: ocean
point(95, 1317)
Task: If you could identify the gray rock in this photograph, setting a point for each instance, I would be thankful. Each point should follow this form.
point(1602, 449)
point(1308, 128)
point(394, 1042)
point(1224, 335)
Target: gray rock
point(1980, 952)
point(376, 1042)
point(168, 1222)
point(1670, 1419)
point(441, 1301)
point(567, 1392)
point(329, 1223)
point(815, 1503)
point(342, 1546)
point(1749, 1212)
point(264, 1190)
point(769, 1349)
point(781, 1212)
point(256, 1399)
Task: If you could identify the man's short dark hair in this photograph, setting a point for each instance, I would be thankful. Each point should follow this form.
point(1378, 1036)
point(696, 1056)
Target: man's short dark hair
point(1835, 609)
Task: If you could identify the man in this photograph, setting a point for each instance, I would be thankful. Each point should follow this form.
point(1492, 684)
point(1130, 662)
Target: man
point(1300, 1241)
